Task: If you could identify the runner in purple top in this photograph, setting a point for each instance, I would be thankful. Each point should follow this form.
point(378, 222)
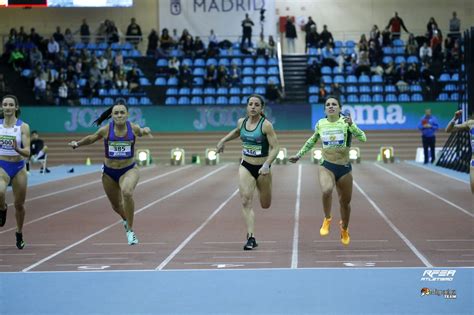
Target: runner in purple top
point(120, 174)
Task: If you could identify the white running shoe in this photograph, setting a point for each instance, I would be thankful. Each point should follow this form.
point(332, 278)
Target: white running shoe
point(131, 238)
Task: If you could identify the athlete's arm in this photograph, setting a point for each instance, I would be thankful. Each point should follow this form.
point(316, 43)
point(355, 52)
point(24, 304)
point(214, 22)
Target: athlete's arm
point(358, 133)
point(25, 140)
point(274, 147)
point(453, 127)
point(145, 131)
point(235, 133)
point(90, 139)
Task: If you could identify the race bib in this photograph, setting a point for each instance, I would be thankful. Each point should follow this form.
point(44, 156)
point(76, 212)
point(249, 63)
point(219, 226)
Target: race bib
point(6, 142)
point(332, 138)
point(252, 150)
point(120, 149)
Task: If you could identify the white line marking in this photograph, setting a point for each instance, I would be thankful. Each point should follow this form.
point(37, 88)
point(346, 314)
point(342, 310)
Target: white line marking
point(227, 262)
point(237, 242)
point(452, 240)
point(296, 228)
point(236, 251)
point(190, 237)
point(93, 199)
point(352, 241)
point(453, 249)
point(117, 264)
point(425, 190)
point(124, 244)
point(120, 221)
point(437, 172)
point(118, 253)
point(395, 229)
point(357, 261)
point(357, 256)
point(357, 250)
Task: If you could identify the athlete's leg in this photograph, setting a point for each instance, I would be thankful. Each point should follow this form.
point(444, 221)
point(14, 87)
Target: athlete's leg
point(4, 180)
point(128, 182)
point(327, 182)
point(264, 186)
point(344, 189)
point(247, 184)
point(19, 183)
point(112, 190)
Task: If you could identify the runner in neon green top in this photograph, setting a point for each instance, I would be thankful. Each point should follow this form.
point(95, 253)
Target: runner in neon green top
point(336, 133)
point(468, 125)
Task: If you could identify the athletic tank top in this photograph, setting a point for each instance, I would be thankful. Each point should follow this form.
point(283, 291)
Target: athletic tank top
point(119, 148)
point(254, 142)
point(7, 136)
point(334, 134)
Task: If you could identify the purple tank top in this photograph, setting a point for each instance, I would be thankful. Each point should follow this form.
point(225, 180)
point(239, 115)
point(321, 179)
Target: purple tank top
point(119, 148)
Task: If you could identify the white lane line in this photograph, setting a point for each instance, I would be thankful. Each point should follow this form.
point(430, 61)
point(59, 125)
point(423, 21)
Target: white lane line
point(394, 228)
point(296, 228)
point(228, 262)
point(352, 241)
point(437, 172)
point(94, 199)
point(452, 240)
point(358, 261)
point(357, 256)
point(235, 251)
point(126, 245)
point(119, 253)
point(117, 264)
point(425, 190)
point(357, 250)
point(120, 221)
point(237, 242)
point(190, 237)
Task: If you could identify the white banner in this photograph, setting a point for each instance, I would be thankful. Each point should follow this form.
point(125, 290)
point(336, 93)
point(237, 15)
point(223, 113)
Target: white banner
point(223, 16)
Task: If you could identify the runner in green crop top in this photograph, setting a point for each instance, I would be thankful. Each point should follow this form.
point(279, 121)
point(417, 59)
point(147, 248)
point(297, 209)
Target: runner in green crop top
point(467, 125)
point(336, 133)
point(259, 149)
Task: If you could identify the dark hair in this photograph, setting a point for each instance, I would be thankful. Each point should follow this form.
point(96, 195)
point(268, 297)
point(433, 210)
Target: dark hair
point(34, 131)
point(108, 112)
point(334, 97)
point(17, 113)
point(261, 98)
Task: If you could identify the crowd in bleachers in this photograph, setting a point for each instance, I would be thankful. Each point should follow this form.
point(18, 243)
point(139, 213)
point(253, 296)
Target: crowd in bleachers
point(383, 67)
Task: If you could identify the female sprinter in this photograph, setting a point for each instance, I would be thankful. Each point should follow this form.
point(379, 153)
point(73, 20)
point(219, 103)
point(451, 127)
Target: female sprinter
point(336, 133)
point(14, 148)
point(120, 174)
point(260, 148)
point(468, 125)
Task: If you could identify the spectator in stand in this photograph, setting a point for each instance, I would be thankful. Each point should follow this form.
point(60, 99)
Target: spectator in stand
point(262, 46)
point(395, 24)
point(412, 46)
point(308, 27)
point(133, 81)
point(313, 73)
point(328, 56)
point(390, 73)
point(175, 37)
point(58, 36)
point(188, 46)
point(271, 47)
point(427, 74)
point(326, 37)
point(375, 35)
point(435, 45)
point(166, 40)
point(210, 75)
point(35, 37)
point(290, 34)
point(85, 32)
point(363, 43)
point(454, 26)
point(322, 91)
point(386, 40)
point(247, 25)
point(62, 93)
point(375, 54)
point(173, 66)
point(413, 74)
point(234, 74)
point(426, 53)
point(39, 88)
point(313, 39)
point(184, 37)
point(428, 126)
point(152, 47)
point(53, 48)
point(272, 93)
point(199, 50)
point(222, 76)
point(16, 59)
point(185, 78)
point(134, 33)
point(363, 63)
point(112, 33)
point(430, 27)
point(69, 38)
point(120, 80)
point(337, 90)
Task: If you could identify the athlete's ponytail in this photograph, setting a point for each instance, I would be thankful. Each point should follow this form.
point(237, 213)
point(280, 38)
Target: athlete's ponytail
point(17, 112)
point(262, 101)
point(108, 112)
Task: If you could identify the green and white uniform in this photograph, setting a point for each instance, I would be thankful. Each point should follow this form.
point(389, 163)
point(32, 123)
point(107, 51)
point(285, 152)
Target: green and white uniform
point(333, 135)
point(254, 142)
